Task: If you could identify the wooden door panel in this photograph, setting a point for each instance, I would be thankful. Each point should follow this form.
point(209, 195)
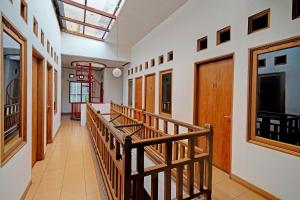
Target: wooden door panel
point(138, 93)
point(49, 103)
point(150, 95)
point(34, 109)
point(214, 107)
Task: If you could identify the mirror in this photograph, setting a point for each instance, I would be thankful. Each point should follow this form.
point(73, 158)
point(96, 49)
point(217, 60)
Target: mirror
point(12, 89)
point(278, 96)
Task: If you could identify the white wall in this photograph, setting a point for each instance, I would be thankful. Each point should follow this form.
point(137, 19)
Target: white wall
point(65, 104)
point(273, 171)
point(16, 173)
point(113, 87)
point(80, 46)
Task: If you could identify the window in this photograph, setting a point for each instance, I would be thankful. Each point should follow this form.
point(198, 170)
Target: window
point(275, 96)
point(48, 46)
point(71, 75)
point(131, 70)
point(146, 65)
point(23, 10)
point(153, 62)
point(42, 38)
point(280, 60)
point(35, 27)
point(223, 35)
point(161, 59)
point(262, 62)
point(136, 69)
point(81, 77)
point(170, 56)
point(259, 21)
point(202, 43)
point(296, 9)
point(165, 92)
point(128, 71)
point(55, 91)
point(54, 56)
point(130, 89)
point(13, 87)
point(51, 52)
point(141, 67)
point(79, 92)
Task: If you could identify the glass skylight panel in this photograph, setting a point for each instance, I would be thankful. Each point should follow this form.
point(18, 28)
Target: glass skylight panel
point(95, 19)
point(93, 32)
point(79, 1)
point(74, 27)
point(73, 12)
point(108, 6)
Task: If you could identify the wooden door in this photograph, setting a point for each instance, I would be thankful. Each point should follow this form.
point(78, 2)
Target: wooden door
point(49, 103)
point(150, 95)
point(34, 109)
point(138, 93)
point(214, 106)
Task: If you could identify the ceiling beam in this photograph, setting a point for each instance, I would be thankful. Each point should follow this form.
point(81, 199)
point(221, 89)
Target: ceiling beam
point(81, 35)
point(84, 23)
point(94, 10)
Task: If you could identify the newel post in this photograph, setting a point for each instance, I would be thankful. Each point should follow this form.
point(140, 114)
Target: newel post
point(126, 159)
point(209, 145)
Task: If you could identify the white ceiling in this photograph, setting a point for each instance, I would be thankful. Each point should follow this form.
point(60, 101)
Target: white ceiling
point(67, 59)
point(138, 17)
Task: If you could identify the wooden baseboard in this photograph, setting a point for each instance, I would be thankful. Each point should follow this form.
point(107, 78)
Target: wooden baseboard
point(67, 113)
point(254, 188)
point(26, 190)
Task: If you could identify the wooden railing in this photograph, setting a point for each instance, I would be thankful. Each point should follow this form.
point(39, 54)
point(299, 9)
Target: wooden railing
point(11, 119)
point(124, 142)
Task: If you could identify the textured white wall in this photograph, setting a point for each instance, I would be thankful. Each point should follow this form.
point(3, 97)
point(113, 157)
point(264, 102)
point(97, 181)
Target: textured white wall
point(16, 173)
point(273, 171)
point(113, 87)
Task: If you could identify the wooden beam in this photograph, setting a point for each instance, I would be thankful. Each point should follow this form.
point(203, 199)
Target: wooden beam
point(83, 23)
point(81, 35)
point(78, 5)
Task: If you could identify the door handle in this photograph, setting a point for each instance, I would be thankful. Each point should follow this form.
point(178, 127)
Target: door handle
point(227, 116)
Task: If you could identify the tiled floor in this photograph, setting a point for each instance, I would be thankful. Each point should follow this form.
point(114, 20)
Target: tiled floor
point(68, 171)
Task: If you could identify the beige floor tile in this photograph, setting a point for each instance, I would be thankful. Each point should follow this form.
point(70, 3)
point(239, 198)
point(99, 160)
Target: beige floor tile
point(219, 175)
point(53, 195)
point(32, 190)
point(227, 189)
point(249, 195)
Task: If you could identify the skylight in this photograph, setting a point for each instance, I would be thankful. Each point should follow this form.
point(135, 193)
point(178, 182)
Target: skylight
point(88, 18)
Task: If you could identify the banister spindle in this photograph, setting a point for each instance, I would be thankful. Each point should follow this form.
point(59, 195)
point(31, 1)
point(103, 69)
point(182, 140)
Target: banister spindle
point(167, 174)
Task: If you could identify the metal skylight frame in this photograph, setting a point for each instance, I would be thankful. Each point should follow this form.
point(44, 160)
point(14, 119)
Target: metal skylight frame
point(84, 20)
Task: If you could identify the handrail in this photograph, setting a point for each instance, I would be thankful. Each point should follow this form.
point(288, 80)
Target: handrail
point(177, 153)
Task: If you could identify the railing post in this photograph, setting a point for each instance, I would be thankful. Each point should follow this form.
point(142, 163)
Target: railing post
point(209, 162)
point(126, 159)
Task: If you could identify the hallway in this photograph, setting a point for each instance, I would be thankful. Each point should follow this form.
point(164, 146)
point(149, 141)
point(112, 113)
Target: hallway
point(68, 171)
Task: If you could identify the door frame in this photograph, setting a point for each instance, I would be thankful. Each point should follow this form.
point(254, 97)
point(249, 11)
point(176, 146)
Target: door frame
point(49, 90)
point(145, 89)
point(197, 65)
point(41, 103)
point(139, 77)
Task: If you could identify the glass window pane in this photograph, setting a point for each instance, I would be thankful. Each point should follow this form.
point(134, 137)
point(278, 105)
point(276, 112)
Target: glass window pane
point(93, 32)
point(73, 27)
point(12, 86)
point(98, 20)
point(130, 84)
point(278, 97)
point(108, 6)
point(72, 12)
point(166, 93)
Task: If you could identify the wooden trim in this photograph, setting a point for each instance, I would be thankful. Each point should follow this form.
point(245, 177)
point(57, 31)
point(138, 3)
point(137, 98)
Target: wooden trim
point(170, 56)
point(23, 197)
point(83, 23)
point(219, 35)
point(55, 90)
point(253, 59)
point(81, 35)
point(253, 187)
point(35, 27)
point(12, 31)
point(24, 4)
point(295, 15)
point(199, 43)
point(49, 104)
point(258, 15)
point(161, 59)
point(130, 80)
point(84, 7)
point(167, 71)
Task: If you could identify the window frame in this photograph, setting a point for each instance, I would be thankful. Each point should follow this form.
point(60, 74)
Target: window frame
point(256, 16)
point(81, 82)
point(55, 90)
point(161, 59)
point(199, 43)
point(7, 27)
point(35, 27)
point(24, 5)
point(161, 73)
point(219, 32)
point(294, 10)
point(128, 97)
point(253, 66)
point(170, 56)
